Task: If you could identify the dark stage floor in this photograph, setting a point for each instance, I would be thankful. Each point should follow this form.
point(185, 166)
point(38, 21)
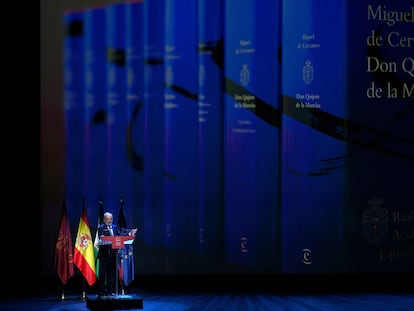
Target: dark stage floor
point(223, 293)
point(185, 301)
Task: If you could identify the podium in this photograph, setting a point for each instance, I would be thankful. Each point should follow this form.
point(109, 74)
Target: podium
point(118, 242)
point(116, 302)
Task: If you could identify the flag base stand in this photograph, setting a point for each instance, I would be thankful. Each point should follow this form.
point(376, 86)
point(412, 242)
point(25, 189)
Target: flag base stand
point(117, 302)
point(83, 296)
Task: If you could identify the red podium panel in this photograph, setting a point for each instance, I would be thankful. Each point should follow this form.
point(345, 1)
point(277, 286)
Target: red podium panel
point(118, 241)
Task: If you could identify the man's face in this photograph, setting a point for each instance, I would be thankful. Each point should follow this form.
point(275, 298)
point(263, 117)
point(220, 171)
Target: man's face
point(108, 220)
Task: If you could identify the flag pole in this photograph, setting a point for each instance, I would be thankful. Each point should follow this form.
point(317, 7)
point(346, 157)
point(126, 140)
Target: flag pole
point(121, 278)
point(62, 297)
point(63, 263)
point(83, 289)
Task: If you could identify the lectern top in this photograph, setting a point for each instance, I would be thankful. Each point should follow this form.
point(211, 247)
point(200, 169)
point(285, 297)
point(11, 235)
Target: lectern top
point(118, 241)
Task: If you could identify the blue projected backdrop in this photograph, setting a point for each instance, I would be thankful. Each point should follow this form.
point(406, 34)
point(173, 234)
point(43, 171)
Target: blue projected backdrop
point(243, 144)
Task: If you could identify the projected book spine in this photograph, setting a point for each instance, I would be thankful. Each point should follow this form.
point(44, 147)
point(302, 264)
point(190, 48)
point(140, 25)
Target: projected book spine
point(154, 121)
point(380, 153)
point(210, 127)
point(251, 133)
point(313, 156)
point(95, 105)
point(180, 142)
point(73, 51)
point(117, 164)
point(135, 101)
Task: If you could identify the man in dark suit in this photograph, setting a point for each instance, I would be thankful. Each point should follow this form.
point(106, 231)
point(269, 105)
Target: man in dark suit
point(107, 255)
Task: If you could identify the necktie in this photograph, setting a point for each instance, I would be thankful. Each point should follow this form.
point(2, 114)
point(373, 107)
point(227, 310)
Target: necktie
point(110, 230)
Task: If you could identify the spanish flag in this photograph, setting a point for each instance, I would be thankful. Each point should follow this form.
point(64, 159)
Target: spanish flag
point(84, 257)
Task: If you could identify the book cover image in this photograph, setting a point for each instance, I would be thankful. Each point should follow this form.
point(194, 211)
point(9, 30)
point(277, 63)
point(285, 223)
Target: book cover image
point(210, 129)
point(380, 148)
point(117, 118)
point(181, 125)
point(313, 172)
point(135, 131)
point(95, 106)
point(251, 134)
point(153, 110)
point(73, 89)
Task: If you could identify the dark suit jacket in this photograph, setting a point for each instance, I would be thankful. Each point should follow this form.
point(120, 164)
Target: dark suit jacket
point(105, 251)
